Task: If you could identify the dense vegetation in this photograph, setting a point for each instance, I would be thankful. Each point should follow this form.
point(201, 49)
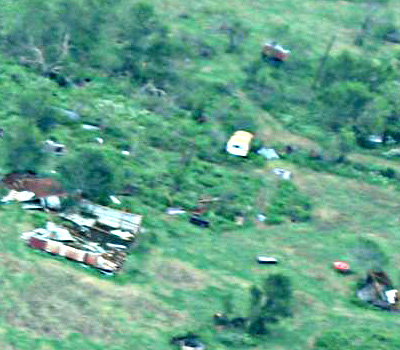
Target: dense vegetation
point(163, 84)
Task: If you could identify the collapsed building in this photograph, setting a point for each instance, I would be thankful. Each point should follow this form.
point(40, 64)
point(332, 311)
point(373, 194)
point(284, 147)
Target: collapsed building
point(378, 290)
point(32, 191)
point(95, 235)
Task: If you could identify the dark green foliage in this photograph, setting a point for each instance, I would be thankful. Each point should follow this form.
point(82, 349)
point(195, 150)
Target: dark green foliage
point(22, 149)
point(143, 49)
point(269, 304)
point(345, 102)
point(89, 172)
point(288, 201)
point(348, 67)
point(36, 106)
point(369, 255)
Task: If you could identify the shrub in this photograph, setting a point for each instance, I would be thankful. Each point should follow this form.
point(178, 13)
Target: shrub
point(288, 201)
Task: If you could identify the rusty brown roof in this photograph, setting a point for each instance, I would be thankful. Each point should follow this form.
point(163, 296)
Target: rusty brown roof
point(41, 187)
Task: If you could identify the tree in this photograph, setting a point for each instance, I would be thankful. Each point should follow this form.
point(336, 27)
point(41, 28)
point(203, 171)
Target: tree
point(143, 49)
point(88, 171)
point(270, 304)
point(22, 149)
point(36, 106)
point(345, 101)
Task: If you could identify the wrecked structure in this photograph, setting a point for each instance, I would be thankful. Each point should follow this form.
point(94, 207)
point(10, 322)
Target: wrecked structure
point(96, 236)
point(272, 50)
point(34, 192)
point(378, 290)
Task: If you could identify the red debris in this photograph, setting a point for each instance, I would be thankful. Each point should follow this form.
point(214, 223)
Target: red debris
point(341, 266)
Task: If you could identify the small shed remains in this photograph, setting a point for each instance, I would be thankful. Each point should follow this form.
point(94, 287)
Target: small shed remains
point(239, 143)
point(272, 50)
point(54, 147)
point(378, 290)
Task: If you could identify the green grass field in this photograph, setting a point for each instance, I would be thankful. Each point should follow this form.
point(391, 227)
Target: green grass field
point(179, 275)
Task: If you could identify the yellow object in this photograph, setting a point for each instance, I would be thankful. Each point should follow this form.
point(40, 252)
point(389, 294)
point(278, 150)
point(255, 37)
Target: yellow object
point(239, 143)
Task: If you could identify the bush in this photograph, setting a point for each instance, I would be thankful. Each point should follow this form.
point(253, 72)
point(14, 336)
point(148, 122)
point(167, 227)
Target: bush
point(288, 201)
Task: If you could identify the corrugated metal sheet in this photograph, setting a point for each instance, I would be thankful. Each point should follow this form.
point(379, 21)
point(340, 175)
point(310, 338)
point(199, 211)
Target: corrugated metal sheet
point(113, 218)
point(75, 254)
point(38, 243)
point(53, 247)
point(91, 259)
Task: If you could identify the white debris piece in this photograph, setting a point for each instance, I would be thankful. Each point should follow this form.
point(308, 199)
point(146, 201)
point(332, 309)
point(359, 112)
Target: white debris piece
point(51, 202)
point(78, 220)
point(58, 233)
point(261, 217)
point(126, 153)
point(90, 127)
point(267, 260)
point(122, 234)
point(99, 140)
point(391, 296)
point(37, 232)
point(22, 196)
point(282, 173)
point(268, 153)
point(175, 211)
point(115, 200)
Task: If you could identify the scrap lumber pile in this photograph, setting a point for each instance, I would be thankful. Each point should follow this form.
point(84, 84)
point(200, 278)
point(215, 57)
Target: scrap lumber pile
point(100, 241)
point(378, 290)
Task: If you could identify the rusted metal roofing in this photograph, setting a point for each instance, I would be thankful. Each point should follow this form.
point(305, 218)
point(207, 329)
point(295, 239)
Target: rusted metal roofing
point(41, 187)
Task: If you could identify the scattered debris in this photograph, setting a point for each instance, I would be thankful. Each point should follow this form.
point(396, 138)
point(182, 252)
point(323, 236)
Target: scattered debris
point(261, 217)
point(375, 139)
point(196, 220)
point(58, 233)
point(55, 148)
point(268, 153)
point(239, 143)
point(112, 218)
point(266, 260)
point(239, 220)
point(41, 187)
point(188, 342)
point(125, 235)
point(34, 193)
point(115, 200)
point(17, 196)
point(72, 115)
point(341, 267)
point(289, 149)
point(393, 36)
point(100, 240)
point(51, 202)
point(90, 127)
point(282, 173)
point(272, 50)
point(99, 140)
point(78, 219)
point(175, 211)
point(378, 290)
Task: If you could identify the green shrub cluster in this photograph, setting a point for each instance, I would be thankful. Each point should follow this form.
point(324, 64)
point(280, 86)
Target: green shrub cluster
point(288, 201)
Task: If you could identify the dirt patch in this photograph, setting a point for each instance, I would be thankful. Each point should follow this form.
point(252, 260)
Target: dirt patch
point(327, 214)
point(179, 274)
